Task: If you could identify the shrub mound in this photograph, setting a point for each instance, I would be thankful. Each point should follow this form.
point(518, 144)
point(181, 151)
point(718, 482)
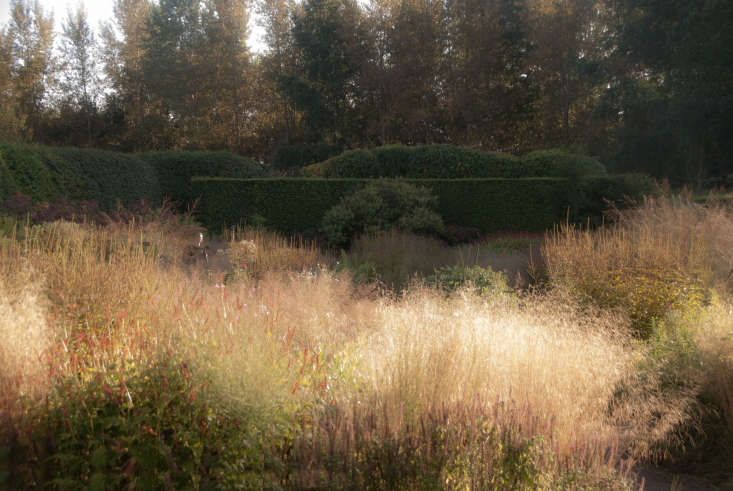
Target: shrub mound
point(451, 162)
point(483, 281)
point(379, 206)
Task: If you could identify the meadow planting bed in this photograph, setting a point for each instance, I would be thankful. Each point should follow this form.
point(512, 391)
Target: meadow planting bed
point(281, 365)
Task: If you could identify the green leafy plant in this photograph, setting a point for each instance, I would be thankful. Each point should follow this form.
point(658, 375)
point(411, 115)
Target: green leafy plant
point(484, 281)
point(362, 270)
point(380, 206)
point(153, 427)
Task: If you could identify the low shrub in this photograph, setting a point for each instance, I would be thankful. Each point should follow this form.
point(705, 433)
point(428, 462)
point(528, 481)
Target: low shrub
point(153, 429)
point(380, 206)
point(646, 295)
point(660, 258)
point(362, 270)
point(483, 281)
point(676, 404)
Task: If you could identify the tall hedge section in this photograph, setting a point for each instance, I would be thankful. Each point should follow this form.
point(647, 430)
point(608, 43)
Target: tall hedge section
point(176, 168)
point(452, 162)
point(53, 173)
point(50, 174)
point(298, 205)
point(292, 205)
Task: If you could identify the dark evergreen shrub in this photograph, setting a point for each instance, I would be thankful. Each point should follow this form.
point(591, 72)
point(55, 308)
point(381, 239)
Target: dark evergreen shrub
point(381, 205)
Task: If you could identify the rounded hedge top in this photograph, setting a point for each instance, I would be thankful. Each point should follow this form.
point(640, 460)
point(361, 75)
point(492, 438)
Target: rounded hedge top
point(451, 162)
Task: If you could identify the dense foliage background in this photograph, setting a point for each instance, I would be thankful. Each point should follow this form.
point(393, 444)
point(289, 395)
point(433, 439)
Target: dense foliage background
point(643, 85)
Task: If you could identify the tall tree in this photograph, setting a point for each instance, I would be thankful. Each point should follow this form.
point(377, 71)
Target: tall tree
point(124, 51)
point(487, 65)
point(30, 43)
point(226, 66)
point(416, 45)
point(673, 85)
point(329, 37)
point(173, 67)
point(12, 122)
point(277, 115)
point(567, 67)
point(80, 81)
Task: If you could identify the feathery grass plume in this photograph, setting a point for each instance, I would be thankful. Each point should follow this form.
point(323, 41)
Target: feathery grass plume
point(254, 251)
point(663, 256)
point(26, 337)
point(715, 339)
point(552, 366)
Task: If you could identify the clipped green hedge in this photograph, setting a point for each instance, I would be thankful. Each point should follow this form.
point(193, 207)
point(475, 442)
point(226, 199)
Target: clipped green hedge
point(288, 205)
point(298, 205)
point(50, 174)
point(590, 198)
point(451, 162)
point(556, 162)
point(7, 181)
point(53, 173)
point(106, 176)
point(490, 205)
point(176, 168)
point(297, 155)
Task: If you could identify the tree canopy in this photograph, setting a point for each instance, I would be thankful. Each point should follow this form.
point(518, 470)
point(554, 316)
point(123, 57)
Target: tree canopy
point(645, 85)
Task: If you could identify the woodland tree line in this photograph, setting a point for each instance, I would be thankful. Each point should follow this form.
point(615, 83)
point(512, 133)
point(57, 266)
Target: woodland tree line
point(646, 85)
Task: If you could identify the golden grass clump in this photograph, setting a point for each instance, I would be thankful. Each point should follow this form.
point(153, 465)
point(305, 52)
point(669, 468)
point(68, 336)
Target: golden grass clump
point(254, 251)
point(666, 233)
point(26, 337)
point(714, 337)
point(539, 355)
point(655, 259)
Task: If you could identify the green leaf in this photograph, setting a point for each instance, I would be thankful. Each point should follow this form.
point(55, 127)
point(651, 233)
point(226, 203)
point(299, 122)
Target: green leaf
point(99, 459)
point(97, 482)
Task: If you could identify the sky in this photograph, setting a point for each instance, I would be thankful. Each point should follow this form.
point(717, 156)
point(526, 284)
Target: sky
point(101, 10)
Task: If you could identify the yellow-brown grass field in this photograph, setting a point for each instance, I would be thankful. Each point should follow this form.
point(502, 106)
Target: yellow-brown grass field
point(274, 366)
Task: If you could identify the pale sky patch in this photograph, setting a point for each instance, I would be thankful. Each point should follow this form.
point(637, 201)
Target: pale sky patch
point(102, 10)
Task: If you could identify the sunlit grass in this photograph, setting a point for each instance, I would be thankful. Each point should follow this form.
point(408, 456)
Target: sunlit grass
point(288, 374)
point(666, 265)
